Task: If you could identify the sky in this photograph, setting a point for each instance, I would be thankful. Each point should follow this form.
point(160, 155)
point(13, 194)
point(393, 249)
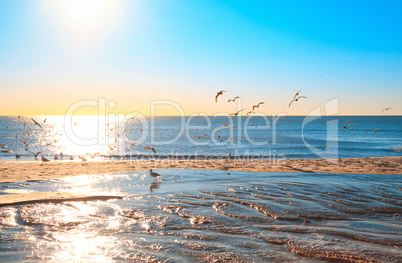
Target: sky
point(171, 57)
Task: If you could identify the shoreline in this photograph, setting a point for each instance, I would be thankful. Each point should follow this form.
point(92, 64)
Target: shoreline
point(21, 171)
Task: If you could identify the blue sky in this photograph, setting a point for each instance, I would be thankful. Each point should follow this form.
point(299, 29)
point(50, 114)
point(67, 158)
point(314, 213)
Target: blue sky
point(185, 51)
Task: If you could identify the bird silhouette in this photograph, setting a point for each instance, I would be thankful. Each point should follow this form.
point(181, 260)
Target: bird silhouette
point(235, 98)
point(296, 99)
point(258, 105)
point(132, 144)
point(218, 94)
point(387, 109)
point(92, 155)
point(150, 148)
point(35, 154)
point(153, 174)
point(297, 94)
point(377, 129)
point(346, 123)
point(45, 160)
point(237, 113)
point(36, 123)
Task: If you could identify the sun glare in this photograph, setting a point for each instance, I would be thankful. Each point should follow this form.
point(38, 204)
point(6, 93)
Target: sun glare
point(84, 18)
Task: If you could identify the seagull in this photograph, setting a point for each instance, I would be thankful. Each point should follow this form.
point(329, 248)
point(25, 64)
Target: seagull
point(387, 109)
point(17, 156)
point(3, 145)
point(36, 123)
point(150, 148)
point(153, 174)
point(71, 158)
point(346, 123)
point(82, 158)
point(258, 105)
point(237, 113)
point(8, 151)
point(218, 94)
point(233, 99)
point(227, 124)
point(297, 93)
point(92, 155)
point(44, 159)
point(35, 154)
point(110, 147)
point(55, 157)
point(296, 99)
point(377, 129)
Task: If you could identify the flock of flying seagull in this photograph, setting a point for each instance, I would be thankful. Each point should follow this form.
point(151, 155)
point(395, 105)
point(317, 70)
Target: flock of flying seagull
point(347, 126)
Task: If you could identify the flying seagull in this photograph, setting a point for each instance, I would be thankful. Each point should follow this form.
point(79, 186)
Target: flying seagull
point(36, 123)
point(35, 154)
point(296, 99)
point(233, 99)
point(387, 109)
point(377, 129)
point(297, 94)
point(150, 148)
point(92, 155)
point(237, 113)
point(218, 94)
point(258, 105)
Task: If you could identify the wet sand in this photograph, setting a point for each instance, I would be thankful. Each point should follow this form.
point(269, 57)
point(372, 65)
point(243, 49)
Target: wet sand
point(36, 170)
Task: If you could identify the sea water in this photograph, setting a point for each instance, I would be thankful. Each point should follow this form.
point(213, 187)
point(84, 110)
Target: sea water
point(289, 137)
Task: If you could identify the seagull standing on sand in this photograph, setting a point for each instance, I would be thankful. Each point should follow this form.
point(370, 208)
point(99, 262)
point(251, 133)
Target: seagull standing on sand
point(218, 94)
point(153, 174)
point(44, 159)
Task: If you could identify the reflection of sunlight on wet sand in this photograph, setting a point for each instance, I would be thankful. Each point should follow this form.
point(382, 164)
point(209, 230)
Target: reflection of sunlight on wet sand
point(74, 238)
point(83, 184)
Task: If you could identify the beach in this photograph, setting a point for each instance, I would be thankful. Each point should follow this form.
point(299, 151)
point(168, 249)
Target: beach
point(36, 170)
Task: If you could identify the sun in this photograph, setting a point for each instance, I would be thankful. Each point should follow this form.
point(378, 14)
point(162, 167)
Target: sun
point(85, 18)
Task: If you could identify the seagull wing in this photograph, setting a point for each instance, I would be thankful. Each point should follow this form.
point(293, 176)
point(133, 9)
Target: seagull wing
point(291, 103)
point(297, 93)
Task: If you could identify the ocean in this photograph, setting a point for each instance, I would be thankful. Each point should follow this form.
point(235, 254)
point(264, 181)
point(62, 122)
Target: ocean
point(290, 137)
